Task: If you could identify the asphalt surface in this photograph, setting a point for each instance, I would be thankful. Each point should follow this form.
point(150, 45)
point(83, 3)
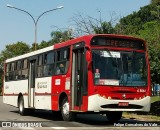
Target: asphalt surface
point(11, 119)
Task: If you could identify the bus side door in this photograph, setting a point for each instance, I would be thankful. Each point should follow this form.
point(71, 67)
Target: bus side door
point(31, 87)
point(79, 76)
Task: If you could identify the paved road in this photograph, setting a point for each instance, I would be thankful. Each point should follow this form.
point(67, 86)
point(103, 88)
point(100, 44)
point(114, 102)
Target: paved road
point(9, 116)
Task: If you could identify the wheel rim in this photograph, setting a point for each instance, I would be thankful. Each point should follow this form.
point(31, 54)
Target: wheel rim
point(66, 109)
point(21, 106)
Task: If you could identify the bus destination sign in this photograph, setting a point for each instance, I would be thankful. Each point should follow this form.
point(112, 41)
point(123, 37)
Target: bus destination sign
point(118, 42)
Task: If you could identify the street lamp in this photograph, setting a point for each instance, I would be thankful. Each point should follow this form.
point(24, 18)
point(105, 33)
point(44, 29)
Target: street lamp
point(34, 20)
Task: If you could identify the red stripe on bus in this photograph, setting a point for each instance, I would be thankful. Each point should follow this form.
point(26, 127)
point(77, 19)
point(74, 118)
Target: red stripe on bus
point(42, 94)
point(14, 94)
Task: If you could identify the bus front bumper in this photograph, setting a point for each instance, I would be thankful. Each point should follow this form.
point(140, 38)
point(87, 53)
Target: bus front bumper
point(97, 103)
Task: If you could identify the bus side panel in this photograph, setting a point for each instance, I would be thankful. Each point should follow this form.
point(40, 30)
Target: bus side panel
point(55, 94)
point(43, 93)
point(55, 102)
point(84, 106)
point(60, 84)
point(57, 89)
point(13, 89)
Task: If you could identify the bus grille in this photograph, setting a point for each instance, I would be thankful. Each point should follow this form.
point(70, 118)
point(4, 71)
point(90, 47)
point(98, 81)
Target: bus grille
point(130, 106)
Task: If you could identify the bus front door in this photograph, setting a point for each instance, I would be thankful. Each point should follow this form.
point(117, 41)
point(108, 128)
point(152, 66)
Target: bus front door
point(78, 77)
point(31, 88)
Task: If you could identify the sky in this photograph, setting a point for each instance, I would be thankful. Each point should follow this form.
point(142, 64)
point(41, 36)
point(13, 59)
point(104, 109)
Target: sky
point(18, 26)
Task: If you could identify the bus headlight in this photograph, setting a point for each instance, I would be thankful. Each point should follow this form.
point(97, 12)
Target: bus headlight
point(109, 98)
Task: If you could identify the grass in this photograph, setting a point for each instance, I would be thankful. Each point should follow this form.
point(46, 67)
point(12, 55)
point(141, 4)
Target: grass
point(140, 117)
point(153, 115)
point(155, 98)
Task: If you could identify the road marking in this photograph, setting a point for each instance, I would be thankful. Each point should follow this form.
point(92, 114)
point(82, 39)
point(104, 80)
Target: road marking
point(27, 128)
point(58, 128)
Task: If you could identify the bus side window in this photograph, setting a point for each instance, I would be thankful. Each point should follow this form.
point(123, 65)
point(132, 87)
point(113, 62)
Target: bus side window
point(18, 70)
point(62, 62)
point(25, 69)
point(51, 63)
point(40, 67)
point(60, 68)
point(48, 68)
point(7, 72)
point(12, 73)
point(45, 67)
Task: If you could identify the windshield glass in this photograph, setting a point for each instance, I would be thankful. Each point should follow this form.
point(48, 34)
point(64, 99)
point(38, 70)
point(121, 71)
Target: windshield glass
point(119, 68)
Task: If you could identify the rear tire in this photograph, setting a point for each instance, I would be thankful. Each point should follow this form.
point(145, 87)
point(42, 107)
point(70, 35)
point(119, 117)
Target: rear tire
point(66, 114)
point(114, 116)
point(22, 110)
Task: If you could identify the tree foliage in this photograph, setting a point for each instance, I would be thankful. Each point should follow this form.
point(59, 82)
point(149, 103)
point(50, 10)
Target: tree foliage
point(155, 2)
point(151, 33)
point(43, 44)
point(104, 28)
point(15, 49)
point(134, 22)
point(59, 36)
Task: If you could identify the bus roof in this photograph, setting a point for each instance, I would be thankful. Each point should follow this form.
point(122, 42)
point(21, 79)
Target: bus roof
point(85, 38)
point(30, 54)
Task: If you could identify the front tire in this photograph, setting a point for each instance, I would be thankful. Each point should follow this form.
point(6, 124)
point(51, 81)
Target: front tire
point(66, 114)
point(114, 116)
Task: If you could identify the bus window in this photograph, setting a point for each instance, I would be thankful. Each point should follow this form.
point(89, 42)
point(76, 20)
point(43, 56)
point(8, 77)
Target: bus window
point(11, 73)
point(62, 62)
point(48, 68)
point(18, 70)
point(40, 67)
point(7, 72)
point(60, 69)
point(24, 69)
point(50, 58)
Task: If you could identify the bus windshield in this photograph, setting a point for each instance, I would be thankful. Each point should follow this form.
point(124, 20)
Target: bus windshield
point(119, 68)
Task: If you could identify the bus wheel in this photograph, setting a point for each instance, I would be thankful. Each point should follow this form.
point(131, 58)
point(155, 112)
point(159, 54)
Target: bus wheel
point(114, 116)
point(22, 110)
point(66, 114)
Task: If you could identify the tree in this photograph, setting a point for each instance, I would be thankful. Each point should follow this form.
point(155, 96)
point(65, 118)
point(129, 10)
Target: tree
point(15, 49)
point(59, 36)
point(156, 13)
point(134, 22)
point(104, 28)
point(89, 25)
point(43, 44)
point(151, 33)
point(155, 2)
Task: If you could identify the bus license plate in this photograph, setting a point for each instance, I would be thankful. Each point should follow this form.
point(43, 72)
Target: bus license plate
point(123, 104)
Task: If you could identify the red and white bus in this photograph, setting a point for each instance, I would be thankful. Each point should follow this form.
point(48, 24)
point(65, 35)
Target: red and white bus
point(101, 73)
